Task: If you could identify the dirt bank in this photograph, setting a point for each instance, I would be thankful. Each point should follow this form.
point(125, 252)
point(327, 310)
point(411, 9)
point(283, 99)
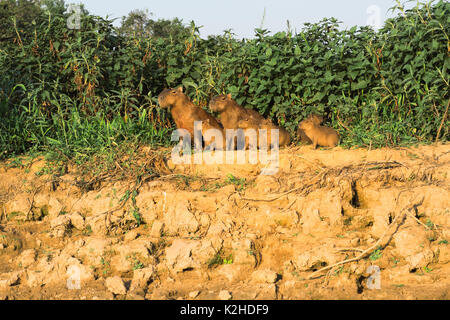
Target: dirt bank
point(225, 231)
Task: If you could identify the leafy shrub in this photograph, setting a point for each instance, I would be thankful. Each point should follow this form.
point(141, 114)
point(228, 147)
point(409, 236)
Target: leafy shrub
point(81, 91)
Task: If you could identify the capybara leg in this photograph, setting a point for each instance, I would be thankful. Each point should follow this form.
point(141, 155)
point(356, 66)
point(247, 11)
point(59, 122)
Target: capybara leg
point(229, 143)
point(210, 146)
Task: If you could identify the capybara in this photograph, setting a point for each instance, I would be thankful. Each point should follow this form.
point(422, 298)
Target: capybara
point(246, 124)
point(250, 123)
point(284, 137)
point(301, 134)
point(319, 135)
point(183, 111)
point(209, 136)
point(231, 113)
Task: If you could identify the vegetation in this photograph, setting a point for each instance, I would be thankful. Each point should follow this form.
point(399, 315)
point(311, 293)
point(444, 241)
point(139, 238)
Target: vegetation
point(75, 93)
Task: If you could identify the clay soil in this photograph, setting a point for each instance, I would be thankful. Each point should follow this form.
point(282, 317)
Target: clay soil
point(331, 224)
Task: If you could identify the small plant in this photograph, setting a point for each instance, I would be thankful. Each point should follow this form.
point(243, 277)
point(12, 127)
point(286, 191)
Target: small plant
point(429, 224)
point(136, 263)
point(135, 212)
point(228, 260)
point(348, 221)
point(339, 270)
point(10, 216)
point(443, 242)
point(87, 231)
point(239, 183)
point(105, 266)
point(15, 163)
point(43, 171)
point(219, 259)
point(376, 254)
point(216, 260)
point(412, 155)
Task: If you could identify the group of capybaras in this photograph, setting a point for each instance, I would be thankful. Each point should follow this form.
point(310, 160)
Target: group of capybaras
point(232, 116)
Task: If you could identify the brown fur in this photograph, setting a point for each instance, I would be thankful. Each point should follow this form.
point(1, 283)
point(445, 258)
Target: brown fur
point(301, 134)
point(283, 136)
point(183, 111)
point(249, 123)
point(319, 135)
point(206, 125)
point(230, 112)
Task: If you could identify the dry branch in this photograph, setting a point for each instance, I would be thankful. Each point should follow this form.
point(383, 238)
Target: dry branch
point(395, 225)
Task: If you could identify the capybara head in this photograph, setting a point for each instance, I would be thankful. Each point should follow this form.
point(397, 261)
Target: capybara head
point(307, 124)
point(315, 118)
point(168, 97)
point(207, 124)
point(219, 103)
point(267, 124)
point(248, 123)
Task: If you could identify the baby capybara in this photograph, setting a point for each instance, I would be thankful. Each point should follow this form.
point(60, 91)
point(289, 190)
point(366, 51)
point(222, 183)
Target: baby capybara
point(283, 135)
point(301, 134)
point(209, 137)
point(319, 135)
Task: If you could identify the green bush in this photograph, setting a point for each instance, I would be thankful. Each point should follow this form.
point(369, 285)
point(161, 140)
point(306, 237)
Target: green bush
point(81, 91)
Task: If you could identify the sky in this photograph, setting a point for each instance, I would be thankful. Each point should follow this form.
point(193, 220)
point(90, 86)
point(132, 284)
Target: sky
point(243, 16)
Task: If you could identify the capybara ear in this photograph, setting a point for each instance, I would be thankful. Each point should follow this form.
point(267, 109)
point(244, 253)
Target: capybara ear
point(180, 89)
point(229, 96)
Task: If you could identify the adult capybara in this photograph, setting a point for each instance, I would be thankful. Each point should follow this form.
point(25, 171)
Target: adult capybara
point(230, 112)
point(319, 135)
point(184, 112)
point(301, 134)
